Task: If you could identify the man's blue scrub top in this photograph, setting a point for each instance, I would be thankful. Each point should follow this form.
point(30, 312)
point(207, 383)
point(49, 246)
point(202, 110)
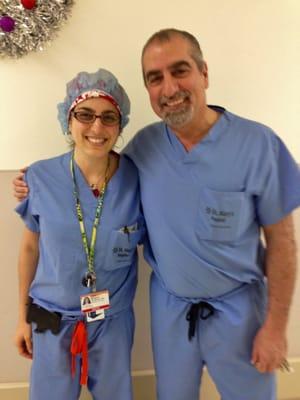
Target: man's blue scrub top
point(204, 208)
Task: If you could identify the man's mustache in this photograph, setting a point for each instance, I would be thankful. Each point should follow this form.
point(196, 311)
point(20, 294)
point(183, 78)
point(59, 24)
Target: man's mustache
point(180, 95)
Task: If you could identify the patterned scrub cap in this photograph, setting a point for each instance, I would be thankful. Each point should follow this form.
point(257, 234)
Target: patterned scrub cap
point(99, 84)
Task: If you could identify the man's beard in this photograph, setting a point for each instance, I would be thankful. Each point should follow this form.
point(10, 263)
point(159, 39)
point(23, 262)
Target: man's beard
point(181, 116)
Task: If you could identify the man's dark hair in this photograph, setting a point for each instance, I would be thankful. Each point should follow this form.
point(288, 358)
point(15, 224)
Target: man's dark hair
point(165, 35)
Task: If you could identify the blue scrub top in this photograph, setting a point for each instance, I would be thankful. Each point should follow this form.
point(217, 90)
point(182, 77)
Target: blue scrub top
point(204, 208)
point(50, 210)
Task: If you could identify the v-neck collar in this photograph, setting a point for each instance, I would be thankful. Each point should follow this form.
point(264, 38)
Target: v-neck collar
point(213, 135)
point(85, 191)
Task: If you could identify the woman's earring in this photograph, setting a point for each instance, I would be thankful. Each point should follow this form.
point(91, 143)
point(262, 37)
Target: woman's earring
point(118, 146)
point(70, 140)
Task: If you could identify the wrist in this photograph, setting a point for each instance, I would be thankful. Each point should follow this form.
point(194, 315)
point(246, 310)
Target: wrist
point(276, 323)
point(23, 308)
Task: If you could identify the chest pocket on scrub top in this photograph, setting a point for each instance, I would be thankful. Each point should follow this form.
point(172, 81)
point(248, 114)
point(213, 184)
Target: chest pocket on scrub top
point(223, 215)
point(122, 245)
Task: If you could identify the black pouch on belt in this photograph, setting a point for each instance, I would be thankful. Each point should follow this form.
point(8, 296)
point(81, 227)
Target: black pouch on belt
point(43, 318)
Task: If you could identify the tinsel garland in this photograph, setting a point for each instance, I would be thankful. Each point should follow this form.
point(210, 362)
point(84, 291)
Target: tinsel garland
point(28, 25)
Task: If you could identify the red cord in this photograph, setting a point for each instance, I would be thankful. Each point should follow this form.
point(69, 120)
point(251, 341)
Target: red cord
point(79, 346)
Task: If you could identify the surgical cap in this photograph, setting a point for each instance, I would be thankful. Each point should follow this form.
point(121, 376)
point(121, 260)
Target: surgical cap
point(101, 83)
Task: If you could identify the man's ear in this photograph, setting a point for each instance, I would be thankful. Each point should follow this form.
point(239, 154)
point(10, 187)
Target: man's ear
point(205, 74)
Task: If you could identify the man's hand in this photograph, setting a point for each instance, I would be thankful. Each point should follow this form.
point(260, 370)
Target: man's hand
point(20, 188)
point(270, 344)
point(269, 349)
point(23, 340)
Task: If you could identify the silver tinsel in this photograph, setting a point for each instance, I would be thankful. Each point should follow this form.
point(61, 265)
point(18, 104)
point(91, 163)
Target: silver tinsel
point(33, 28)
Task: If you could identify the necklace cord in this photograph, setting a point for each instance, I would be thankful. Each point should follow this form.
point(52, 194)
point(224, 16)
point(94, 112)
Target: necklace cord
point(89, 248)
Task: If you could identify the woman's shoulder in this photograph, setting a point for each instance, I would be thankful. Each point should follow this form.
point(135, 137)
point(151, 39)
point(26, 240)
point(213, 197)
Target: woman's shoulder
point(46, 169)
point(49, 164)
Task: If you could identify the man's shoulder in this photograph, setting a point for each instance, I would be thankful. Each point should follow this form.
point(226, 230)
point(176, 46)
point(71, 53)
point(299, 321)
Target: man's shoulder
point(145, 138)
point(250, 130)
point(249, 124)
point(127, 166)
point(152, 130)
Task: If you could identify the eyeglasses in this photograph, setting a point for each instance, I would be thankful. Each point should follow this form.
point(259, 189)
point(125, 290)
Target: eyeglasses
point(108, 118)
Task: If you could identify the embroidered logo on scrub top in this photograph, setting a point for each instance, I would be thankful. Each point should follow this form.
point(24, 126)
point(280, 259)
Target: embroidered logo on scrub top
point(221, 217)
point(121, 251)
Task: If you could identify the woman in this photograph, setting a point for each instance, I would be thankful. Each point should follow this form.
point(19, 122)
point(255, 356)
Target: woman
point(82, 225)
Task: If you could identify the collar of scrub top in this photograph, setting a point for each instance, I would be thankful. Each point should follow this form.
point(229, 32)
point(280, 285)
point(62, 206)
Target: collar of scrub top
point(213, 134)
point(90, 279)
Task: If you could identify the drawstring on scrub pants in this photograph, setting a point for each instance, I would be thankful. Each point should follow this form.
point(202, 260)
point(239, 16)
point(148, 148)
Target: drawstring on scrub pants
point(206, 311)
point(79, 346)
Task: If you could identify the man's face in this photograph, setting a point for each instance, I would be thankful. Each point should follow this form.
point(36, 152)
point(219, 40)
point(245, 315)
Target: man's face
point(174, 82)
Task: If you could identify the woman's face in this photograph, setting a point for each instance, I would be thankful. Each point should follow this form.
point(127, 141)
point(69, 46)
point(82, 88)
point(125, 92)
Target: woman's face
point(95, 138)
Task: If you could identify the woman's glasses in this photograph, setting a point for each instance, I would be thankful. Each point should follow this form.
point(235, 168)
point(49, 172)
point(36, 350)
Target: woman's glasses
point(108, 118)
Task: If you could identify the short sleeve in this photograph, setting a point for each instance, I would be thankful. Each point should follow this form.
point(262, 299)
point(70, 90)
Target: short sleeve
point(280, 193)
point(26, 209)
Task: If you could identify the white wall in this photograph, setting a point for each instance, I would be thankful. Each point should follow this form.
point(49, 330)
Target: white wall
point(252, 49)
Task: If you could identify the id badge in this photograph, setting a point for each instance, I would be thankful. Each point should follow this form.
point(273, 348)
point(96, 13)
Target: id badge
point(93, 305)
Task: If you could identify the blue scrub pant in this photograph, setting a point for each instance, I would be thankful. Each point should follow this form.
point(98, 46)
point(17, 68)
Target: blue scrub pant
point(109, 353)
point(223, 343)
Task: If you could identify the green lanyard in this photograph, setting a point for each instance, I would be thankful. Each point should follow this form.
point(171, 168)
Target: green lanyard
point(89, 249)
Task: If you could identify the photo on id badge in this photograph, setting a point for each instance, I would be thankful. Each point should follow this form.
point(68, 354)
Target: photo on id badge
point(94, 304)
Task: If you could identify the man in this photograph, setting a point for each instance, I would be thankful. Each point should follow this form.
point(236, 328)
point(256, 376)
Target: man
point(210, 182)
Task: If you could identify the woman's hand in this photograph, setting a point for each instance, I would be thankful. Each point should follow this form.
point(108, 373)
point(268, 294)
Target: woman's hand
point(23, 339)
